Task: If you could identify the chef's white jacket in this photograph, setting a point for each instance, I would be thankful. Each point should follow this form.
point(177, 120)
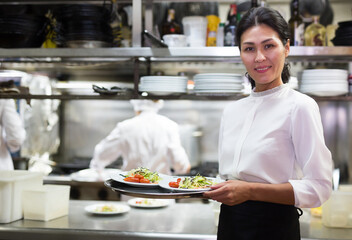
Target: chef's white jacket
point(148, 140)
point(276, 136)
point(12, 133)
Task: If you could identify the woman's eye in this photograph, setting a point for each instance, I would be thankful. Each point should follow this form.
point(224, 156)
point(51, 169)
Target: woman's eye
point(248, 49)
point(267, 46)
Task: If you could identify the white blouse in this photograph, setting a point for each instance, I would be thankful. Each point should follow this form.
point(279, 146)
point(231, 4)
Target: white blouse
point(276, 136)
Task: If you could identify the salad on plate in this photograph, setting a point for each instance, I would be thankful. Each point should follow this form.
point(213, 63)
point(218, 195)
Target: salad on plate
point(138, 177)
point(142, 175)
point(194, 183)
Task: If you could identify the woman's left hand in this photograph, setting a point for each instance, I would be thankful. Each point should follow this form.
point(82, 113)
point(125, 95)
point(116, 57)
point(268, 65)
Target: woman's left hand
point(231, 192)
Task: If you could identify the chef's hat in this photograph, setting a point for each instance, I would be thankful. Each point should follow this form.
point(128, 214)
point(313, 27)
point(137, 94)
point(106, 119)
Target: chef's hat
point(146, 105)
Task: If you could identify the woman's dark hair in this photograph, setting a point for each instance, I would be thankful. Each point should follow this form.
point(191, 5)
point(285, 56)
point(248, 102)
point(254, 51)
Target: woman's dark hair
point(271, 18)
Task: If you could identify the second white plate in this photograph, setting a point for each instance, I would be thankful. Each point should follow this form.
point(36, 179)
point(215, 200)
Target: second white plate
point(148, 202)
point(107, 208)
point(164, 183)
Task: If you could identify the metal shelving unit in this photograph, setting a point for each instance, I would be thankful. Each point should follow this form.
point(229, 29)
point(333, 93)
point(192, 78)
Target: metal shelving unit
point(328, 54)
point(149, 55)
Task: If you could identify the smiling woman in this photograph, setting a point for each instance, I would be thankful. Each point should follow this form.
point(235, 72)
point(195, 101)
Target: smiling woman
point(264, 39)
point(271, 144)
point(263, 54)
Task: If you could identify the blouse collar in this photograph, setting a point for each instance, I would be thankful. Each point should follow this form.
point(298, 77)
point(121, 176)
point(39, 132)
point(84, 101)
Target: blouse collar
point(268, 92)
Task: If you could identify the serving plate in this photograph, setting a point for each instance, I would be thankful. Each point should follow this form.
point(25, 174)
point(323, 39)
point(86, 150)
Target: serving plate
point(157, 192)
point(165, 184)
point(148, 202)
point(92, 175)
point(119, 176)
point(116, 209)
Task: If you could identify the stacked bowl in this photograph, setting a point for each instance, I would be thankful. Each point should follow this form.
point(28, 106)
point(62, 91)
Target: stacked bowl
point(163, 85)
point(83, 25)
point(343, 34)
point(218, 83)
point(324, 82)
point(22, 31)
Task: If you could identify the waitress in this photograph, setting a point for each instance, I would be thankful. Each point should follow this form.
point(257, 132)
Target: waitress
point(271, 146)
point(147, 140)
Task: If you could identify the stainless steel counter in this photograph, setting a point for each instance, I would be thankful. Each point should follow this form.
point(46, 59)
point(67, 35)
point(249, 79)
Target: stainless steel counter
point(176, 221)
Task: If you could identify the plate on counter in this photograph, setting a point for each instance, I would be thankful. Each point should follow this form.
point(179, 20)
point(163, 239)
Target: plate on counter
point(119, 177)
point(107, 208)
point(91, 175)
point(148, 202)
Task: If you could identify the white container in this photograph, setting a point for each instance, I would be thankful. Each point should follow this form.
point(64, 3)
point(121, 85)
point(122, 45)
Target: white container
point(12, 185)
point(337, 211)
point(195, 29)
point(46, 203)
point(175, 40)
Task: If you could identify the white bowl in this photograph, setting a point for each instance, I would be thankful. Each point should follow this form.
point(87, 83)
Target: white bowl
point(175, 40)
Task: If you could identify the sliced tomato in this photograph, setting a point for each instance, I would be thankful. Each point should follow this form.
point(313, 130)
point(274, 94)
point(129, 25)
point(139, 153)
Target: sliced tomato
point(178, 180)
point(131, 179)
point(144, 180)
point(174, 184)
point(138, 176)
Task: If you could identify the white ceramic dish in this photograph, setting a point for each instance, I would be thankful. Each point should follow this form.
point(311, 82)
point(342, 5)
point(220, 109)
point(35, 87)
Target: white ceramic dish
point(148, 202)
point(115, 208)
point(324, 81)
point(91, 175)
point(218, 75)
point(118, 177)
point(165, 184)
point(218, 87)
point(218, 91)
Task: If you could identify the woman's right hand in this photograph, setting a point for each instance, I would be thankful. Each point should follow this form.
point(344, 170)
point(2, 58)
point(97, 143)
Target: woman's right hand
point(231, 192)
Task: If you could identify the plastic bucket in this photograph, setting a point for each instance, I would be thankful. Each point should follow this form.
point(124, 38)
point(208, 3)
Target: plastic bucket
point(195, 29)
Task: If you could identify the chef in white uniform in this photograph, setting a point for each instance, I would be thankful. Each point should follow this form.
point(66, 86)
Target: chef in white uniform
point(147, 140)
point(12, 133)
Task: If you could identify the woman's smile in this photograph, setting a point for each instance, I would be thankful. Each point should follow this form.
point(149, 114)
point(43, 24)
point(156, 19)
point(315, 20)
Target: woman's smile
point(262, 69)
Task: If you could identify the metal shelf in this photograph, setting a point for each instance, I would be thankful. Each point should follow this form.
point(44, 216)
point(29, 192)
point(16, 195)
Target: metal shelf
point(67, 97)
point(193, 97)
point(341, 54)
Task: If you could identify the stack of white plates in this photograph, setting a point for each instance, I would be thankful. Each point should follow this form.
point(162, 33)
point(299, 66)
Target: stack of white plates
point(218, 83)
point(163, 85)
point(324, 82)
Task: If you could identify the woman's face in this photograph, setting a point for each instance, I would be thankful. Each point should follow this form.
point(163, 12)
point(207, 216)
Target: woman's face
point(263, 54)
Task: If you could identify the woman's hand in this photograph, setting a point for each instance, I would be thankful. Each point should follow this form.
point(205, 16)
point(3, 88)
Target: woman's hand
point(231, 192)
point(234, 192)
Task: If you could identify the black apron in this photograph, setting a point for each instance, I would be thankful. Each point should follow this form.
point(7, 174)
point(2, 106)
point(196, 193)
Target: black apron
point(254, 220)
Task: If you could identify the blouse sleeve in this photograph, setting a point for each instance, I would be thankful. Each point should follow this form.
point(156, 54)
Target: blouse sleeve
point(313, 157)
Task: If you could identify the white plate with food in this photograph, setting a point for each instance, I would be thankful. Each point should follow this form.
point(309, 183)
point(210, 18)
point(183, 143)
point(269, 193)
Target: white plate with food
point(107, 208)
point(188, 184)
point(139, 177)
point(148, 202)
